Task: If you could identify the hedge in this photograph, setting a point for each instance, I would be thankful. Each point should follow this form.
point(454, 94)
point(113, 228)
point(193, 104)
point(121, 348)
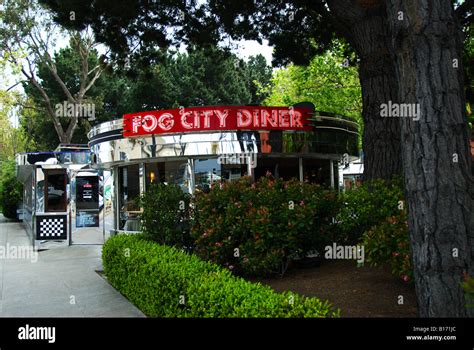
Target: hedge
point(163, 281)
point(166, 215)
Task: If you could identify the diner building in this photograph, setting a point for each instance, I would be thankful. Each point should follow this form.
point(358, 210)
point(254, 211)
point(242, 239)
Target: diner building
point(197, 146)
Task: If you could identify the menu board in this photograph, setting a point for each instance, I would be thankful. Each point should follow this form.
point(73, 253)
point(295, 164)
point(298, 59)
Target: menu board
point(87, 219)
point(87, 192)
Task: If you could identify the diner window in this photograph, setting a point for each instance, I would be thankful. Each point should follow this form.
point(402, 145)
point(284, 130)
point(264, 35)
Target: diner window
point(206, 172)
point(55, 190)
point(232, 172)
point(288, 168)
point(129, 192)
point(154, 173)
point(317, 171)
point(279, 168)
point(172, 172)
point(176, 172)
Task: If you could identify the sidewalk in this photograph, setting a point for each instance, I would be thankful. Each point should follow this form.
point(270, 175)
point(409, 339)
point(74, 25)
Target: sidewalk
point(61, 283)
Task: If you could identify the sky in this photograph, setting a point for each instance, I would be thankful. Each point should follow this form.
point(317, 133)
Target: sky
point(253, 48)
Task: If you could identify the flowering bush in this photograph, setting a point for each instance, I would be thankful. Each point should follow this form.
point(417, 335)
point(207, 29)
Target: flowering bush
point(367, 206)
point(257, 228)
point(388, 242)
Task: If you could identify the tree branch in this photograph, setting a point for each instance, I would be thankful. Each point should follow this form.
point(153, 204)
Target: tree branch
point(96, 76)
point(49, 108)
point(11, 87)
point(40, 45)
point(70, 129)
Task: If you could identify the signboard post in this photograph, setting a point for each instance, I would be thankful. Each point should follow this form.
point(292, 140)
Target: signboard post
point(87, 201)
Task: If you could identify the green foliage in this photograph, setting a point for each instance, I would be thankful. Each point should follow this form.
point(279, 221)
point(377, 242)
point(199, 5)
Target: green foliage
point(388, 243)
point(12, 140)
point(256, 228)
point(329, 81)
point(198, 77)
point(258, 75)
point(10, 189)
point(165, 216)
point(366, 206)
point(468, 63)
point(468, 286)
point(208, 77)
point(164, 282)
point(292, 27)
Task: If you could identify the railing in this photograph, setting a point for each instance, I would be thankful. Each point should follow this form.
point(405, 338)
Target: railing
point(104, 127)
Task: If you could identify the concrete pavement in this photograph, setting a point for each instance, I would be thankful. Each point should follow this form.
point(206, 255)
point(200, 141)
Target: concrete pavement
point(59, 282)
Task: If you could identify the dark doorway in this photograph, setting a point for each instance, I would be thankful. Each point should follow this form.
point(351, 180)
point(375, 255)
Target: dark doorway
point(55, 193)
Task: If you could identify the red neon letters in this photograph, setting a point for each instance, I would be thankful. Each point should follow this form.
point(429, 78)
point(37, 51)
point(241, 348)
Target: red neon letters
point(216, 118)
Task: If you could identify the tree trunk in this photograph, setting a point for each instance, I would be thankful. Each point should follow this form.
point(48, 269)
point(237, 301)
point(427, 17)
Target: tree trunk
point(435, 151)
point(70, 129)
point(364, 25)
point(381, 138)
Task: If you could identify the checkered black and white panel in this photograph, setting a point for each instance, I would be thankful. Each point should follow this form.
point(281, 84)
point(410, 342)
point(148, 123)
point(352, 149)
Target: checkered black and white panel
point(51, 227)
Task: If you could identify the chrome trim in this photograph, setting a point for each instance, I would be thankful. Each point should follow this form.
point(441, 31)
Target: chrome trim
point(332, 127)
point(339, 119)
point(330, 138)
point(116, 124)
point(307, 144)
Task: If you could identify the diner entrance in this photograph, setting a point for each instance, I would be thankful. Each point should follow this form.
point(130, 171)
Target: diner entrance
point(87, 207)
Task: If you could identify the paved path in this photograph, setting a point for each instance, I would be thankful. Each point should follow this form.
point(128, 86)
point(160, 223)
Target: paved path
point(62, 282)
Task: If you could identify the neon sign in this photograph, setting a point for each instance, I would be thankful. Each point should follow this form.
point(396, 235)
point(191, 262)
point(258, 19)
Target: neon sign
point(216, 118)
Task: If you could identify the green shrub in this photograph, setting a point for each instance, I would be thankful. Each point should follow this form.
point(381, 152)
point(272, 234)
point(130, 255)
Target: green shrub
point(257, 228)
point(388, 243)
point(367, 206)
point(468, 286)
point(165, 282)
point(10, 190)
point(165, 216)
